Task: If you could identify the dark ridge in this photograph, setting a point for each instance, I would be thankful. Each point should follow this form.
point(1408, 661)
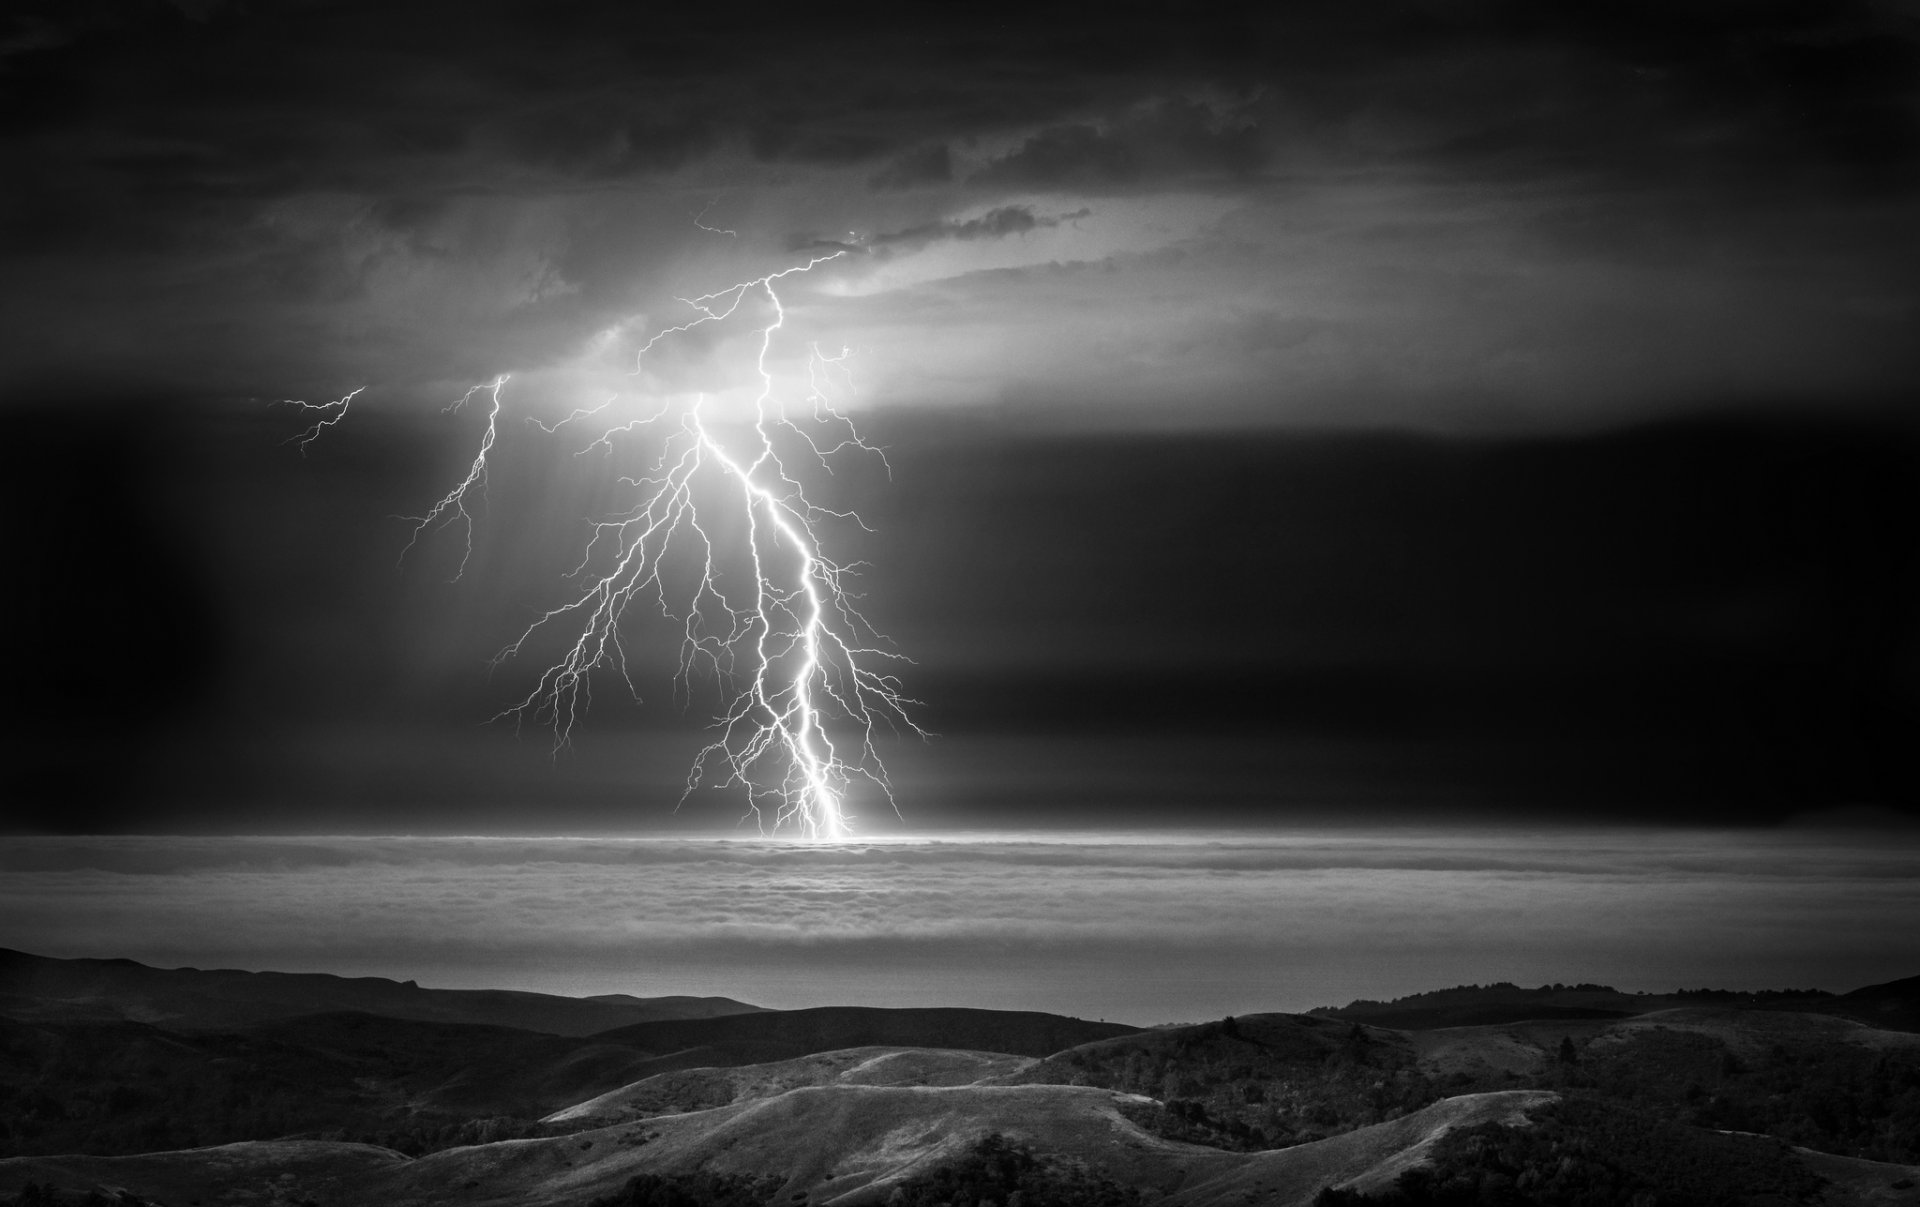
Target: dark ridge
point(784, 1034)
point(40, 987)
point(1894, 1006)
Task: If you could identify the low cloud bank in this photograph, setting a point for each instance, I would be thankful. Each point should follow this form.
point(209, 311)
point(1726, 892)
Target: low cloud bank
point(1141, 928)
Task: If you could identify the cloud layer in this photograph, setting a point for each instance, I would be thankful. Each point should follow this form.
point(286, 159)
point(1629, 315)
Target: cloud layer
point(1142, 929)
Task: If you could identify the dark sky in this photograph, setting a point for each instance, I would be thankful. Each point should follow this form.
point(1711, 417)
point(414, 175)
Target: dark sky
point(1338, 412)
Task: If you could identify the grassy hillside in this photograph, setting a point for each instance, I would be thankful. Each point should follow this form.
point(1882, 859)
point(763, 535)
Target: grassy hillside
point(702, 1089)
point(866, 1146)
point(129, 1087)
point(283, 1173)
point(123, 1087)
point(1579, 1152)
point(1723, 1099)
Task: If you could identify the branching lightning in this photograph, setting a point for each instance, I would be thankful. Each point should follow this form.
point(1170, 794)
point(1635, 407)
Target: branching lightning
point(452, 506)
point(724, 542)
point(330, 414)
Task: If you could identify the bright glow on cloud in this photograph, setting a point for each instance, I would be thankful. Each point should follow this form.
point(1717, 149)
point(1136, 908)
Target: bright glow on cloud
point(1142, 930)
point(1072, 231)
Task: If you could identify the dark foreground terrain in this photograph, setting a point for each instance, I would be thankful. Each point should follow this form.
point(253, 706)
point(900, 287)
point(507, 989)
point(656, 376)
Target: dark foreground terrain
point(129, 1085)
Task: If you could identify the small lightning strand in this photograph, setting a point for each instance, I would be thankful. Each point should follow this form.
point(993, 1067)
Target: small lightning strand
point(699, 221)
point(453, 504)
point(331, 413)
point(808, 650)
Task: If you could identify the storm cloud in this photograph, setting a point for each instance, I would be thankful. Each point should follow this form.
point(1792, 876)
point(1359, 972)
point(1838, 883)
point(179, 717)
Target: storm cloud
point(1470, 206)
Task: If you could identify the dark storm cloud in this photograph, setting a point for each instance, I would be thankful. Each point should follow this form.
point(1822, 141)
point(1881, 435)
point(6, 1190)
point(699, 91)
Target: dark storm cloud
point(926, 165)
point(1787, 94)
point(996, 223)
point(246, 167)
point(1170, 140)
point(339, 95)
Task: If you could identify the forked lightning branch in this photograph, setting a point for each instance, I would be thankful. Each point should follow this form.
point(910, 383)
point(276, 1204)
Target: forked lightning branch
point(722, 539)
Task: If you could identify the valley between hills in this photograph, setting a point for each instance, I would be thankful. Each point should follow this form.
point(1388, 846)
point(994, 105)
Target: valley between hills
point(130, 1085)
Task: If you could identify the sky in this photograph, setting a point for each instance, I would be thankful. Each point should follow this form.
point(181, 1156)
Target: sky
point(1296, 414)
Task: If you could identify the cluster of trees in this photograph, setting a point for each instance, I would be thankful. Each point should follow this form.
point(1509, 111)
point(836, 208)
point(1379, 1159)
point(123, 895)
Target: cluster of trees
point(996, 1170)
point(1232, 1086)
point(121, 1088)
point(130, 1119)
point(1187, 1119)
point(1836, 1097)
point(1747, 995)
point(422, 1134)
point(1254, 1084)
point(1583, 1152)
point(33, 1194)
point(1495, 987)
point(696, 1188)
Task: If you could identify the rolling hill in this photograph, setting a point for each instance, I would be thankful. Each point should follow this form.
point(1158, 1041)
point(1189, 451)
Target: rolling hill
point(842, 1145)
point(1700, 1097)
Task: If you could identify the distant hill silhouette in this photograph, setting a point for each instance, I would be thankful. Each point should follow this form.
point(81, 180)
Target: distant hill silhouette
point(40, 987)
point(786, 1034)
point(1893, 1006)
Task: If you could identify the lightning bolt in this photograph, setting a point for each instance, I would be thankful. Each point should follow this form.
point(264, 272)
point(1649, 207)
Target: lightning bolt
point(810, 684)
point(699, 220)
point(452, 506)
point(330, 414)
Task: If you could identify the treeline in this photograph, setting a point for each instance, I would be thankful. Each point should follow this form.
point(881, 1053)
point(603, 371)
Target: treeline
point(1256, 1083)
point(33, 1194)
point(695, 1188)
point(420, 1135)
point(998, 1170)
point(1836, 1097)
point(993, 1170)
point(126, 1088)
point(1583, 1152)
point(1495, 987)
point(1739, 996)
point(1250, 1085)
point(125, 1120)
